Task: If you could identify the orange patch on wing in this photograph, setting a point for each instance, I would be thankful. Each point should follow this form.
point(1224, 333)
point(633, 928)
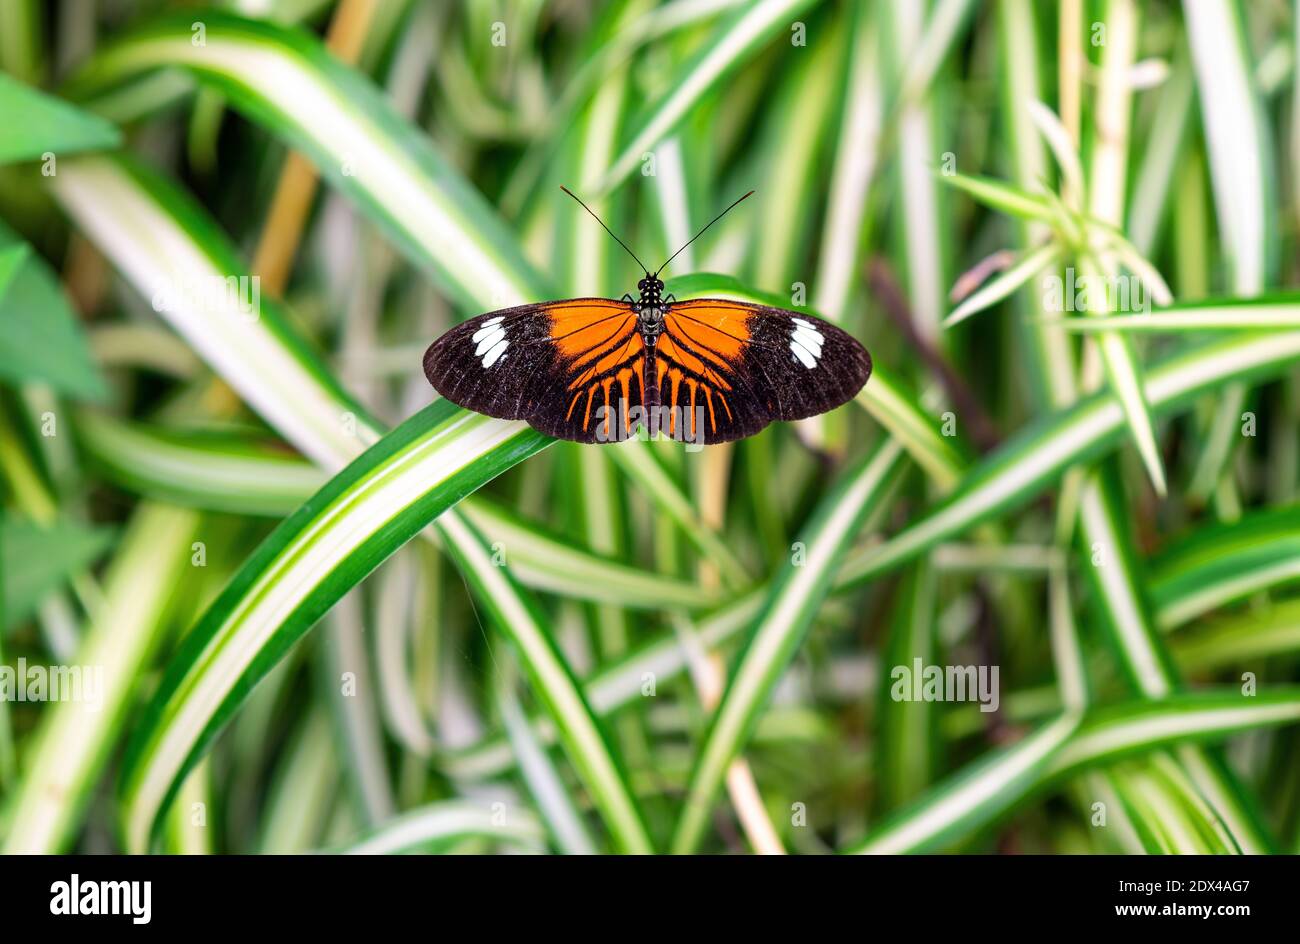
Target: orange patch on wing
point(579, 326)
point(716, 331)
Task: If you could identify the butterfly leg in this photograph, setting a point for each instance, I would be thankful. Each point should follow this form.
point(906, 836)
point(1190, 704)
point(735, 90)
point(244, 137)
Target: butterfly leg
point(670, 299)
point(628, 298)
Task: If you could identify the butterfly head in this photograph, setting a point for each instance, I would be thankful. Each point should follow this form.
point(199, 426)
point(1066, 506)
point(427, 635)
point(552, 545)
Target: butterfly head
point(651, 289)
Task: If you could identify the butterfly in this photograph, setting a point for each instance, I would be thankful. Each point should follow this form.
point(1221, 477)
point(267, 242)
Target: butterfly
point(600, 370)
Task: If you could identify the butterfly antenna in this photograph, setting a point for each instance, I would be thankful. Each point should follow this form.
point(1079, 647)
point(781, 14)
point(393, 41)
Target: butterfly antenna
point(701, 233)
point(607, 229)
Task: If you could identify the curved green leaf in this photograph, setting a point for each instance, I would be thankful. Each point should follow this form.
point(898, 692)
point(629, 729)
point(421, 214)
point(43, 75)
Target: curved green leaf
point(777, 633)
point(285, 79)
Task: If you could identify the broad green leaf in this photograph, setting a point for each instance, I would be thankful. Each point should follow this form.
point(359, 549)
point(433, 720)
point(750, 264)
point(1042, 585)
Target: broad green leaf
point(40, 337)
point(35, 560)
point(36, 124)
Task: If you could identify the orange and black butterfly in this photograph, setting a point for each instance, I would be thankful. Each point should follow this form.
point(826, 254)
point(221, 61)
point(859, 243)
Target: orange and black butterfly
point(595, 370)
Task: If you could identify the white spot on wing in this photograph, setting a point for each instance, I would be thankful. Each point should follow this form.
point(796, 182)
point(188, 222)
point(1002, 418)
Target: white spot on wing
point(497, 351)
point(806, 343)
point(489, 327)
point(490, 340)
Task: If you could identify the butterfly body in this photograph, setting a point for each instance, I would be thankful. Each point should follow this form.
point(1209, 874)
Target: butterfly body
point(597, 370)
point(650, 322)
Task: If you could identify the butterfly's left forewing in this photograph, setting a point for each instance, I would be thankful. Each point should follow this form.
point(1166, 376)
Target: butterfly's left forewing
point(571, 369)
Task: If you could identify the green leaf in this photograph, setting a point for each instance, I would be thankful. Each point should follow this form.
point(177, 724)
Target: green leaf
point(75, 738)
point(1219, 564)
point(391, 492)
point(286, 80)
point(35, 560)
point(234, 473)
point(734, 41)
point(1242, 172)
point(363, 514)
point(1030, 265)
point(1275, 312)
point(208, 469)
point(444, 821)
point(792, 602)
point(985, 790)
point(36, 124)
point(40, 337)
point(1004, 197)
point(971, 799)
point(1026, 464)
point(12, 260)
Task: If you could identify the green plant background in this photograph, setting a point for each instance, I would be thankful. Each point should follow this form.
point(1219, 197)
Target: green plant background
point(330, 615)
